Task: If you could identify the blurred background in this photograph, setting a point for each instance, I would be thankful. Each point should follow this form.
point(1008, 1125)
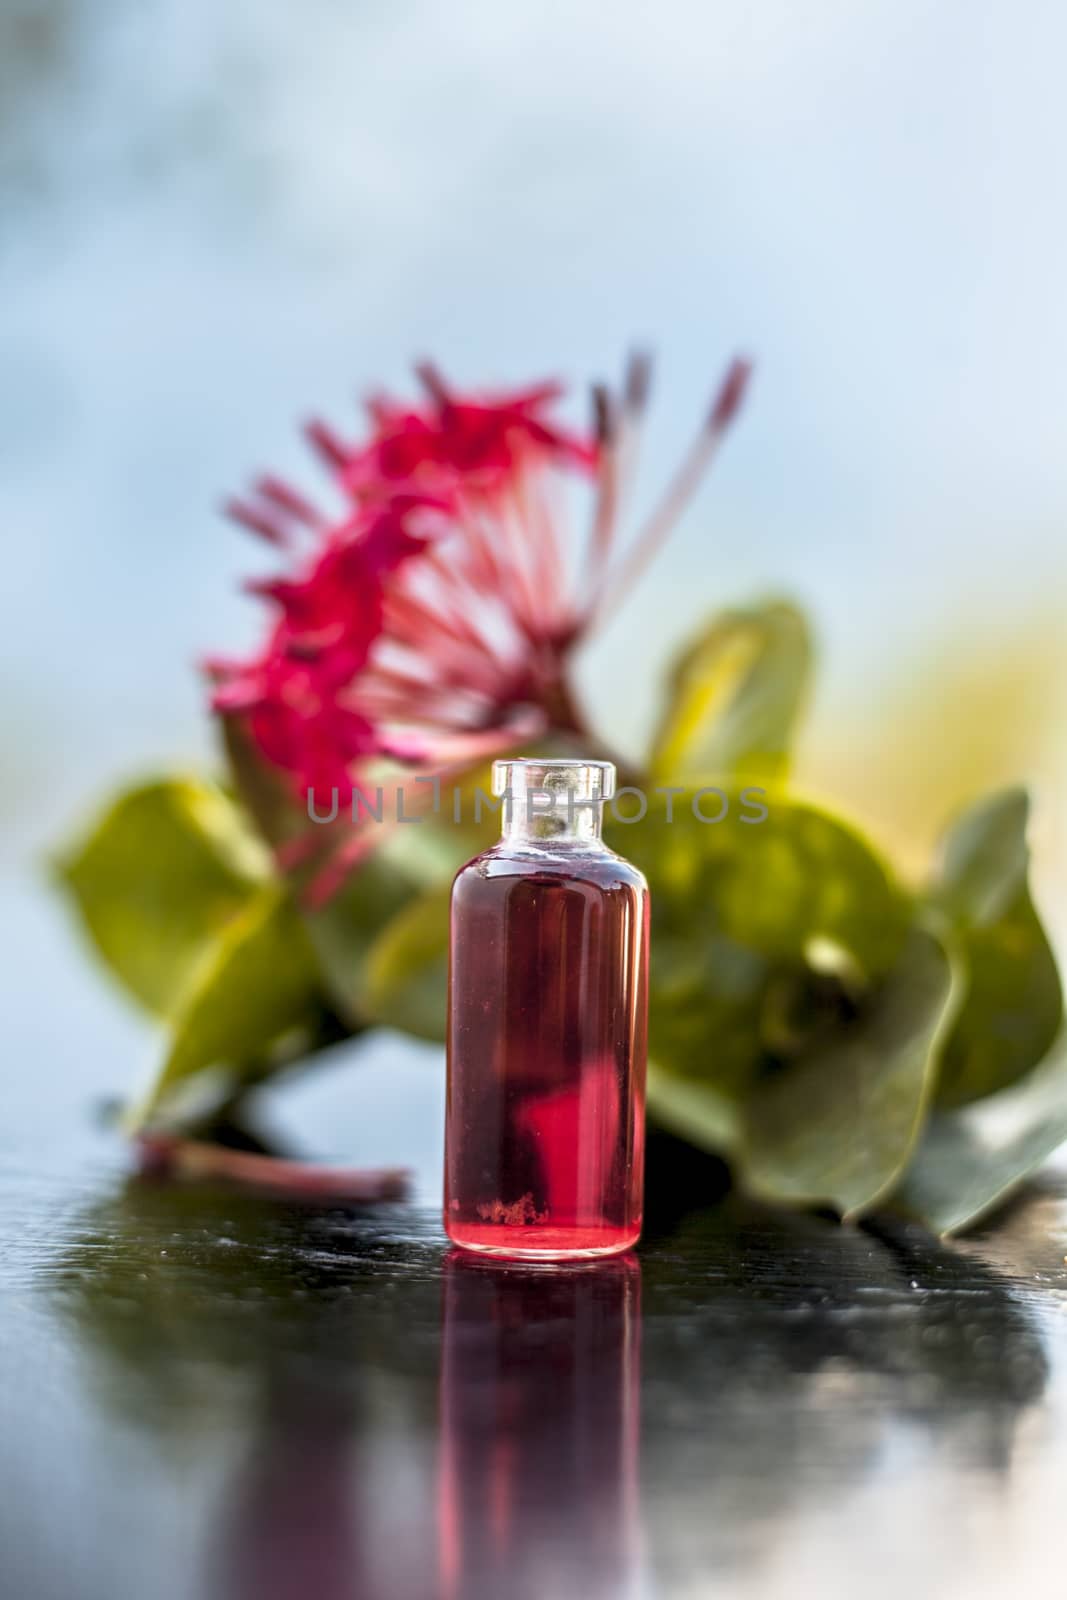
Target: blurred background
point(214, 220)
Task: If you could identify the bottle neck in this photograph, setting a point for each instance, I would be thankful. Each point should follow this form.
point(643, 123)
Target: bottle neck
point(552, 805)
point(528, 820)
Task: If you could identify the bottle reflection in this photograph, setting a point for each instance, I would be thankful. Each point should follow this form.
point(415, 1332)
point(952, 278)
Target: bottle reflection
point(540, 1379)
point(294, 1523)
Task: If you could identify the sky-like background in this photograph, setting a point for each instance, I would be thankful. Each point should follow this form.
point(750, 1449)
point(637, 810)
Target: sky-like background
point(215, 219)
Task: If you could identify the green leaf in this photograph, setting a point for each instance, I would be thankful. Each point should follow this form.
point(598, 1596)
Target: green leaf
point(263, 788)
point(345, 931)
point(694, 1110)
point(408, 860)
point(255, 991)
point(985, 860)
point(165, 869)
point(734, 698)
point(434, 850)
point(407, 969)
point(1013, 1005)
point(740, 906)
point(342, 930)
point(970, 1161)
point(771, 886)
point(837, 1127)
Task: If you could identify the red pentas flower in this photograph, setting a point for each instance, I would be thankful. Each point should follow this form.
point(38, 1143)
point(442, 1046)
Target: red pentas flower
point(432, 622)
point(483, 441)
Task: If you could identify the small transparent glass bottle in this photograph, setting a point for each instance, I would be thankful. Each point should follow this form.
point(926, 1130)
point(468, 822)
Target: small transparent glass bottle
point(547, 1026)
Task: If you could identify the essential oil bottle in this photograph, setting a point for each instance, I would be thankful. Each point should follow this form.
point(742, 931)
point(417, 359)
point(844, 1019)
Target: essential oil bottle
point(547, 1026)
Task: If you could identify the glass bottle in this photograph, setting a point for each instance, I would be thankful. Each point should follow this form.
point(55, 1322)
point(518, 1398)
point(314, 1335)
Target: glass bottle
point(547, 1026)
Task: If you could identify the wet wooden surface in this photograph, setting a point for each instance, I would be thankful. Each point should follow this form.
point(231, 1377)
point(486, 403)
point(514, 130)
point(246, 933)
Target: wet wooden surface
point(214, 1395)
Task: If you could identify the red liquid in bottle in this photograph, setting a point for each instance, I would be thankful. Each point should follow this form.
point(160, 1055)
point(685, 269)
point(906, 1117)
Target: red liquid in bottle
point(547, 1039)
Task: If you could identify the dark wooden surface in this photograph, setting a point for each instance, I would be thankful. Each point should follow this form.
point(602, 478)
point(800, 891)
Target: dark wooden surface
point(214, 1395)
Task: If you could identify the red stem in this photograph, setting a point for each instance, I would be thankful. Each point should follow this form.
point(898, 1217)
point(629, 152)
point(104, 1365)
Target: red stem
point(195, 1161)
